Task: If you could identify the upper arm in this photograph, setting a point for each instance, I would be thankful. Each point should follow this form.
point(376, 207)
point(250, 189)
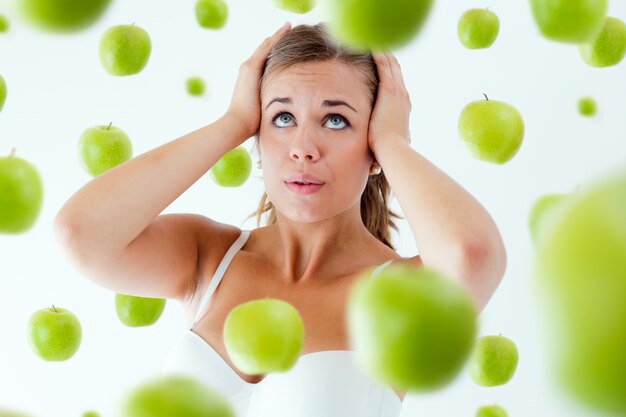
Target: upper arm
point(480, 270)
point(163, 261)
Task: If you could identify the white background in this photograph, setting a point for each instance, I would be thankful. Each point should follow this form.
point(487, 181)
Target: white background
point(57, 88)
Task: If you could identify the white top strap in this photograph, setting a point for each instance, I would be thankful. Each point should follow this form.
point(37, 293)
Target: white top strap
point(379, 268)
point(219, 273)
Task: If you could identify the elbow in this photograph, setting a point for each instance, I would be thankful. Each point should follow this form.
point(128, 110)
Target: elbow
point(67, 234)
point(65, 231)
point(482, 268)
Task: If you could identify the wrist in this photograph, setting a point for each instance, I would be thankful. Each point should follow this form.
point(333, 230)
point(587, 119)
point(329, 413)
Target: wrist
point(381, 146)
point(238, 130)
point(225, 132)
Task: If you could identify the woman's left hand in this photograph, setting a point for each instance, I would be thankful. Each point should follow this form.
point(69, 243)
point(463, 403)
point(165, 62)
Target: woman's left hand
point(390, 117)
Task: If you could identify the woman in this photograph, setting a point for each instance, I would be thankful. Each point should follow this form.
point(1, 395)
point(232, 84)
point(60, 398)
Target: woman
point(332, 127)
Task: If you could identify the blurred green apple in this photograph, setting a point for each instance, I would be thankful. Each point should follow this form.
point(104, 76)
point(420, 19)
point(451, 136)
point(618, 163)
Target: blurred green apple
point(211, 14)
point(232, 169)
point(175, 396)
point(4, 24)
point(62, 16)
point(543, 213)
point(124, 49)
point(375, 24)
point(491, 130)
point(12, 413)
point(493, 361)
point(3, 91)
point(587, 106)
point(478, 28)
point(581, 282)
point(195, 86)
point(491, 411)
point(608, 47)
point(91, 413)
point(412, 327)
point(54, 333)
point(21, 194)
point(101, 148)
point(264, 336)
point(136, 311)
point(295, 6)
point(572, 21)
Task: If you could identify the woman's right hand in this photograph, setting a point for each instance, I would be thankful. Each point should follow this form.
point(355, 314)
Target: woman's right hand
point(245, 106)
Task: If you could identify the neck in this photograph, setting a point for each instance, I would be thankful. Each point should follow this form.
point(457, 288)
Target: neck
point(320, 249)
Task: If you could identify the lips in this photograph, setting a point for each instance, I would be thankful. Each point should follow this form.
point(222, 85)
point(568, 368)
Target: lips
point(305, 189)
point(304, 179)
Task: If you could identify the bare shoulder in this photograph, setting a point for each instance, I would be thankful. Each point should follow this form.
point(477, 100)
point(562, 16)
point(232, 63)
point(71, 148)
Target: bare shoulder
point(214, 239)
point(415, 261)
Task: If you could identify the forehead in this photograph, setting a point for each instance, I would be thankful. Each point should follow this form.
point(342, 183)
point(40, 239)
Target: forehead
point(318, 81)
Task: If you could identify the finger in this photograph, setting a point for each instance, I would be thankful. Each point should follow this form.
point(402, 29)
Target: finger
point(384, 68)
point(396, 70)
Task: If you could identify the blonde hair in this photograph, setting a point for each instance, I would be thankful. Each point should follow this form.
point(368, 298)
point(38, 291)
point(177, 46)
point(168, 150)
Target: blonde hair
point(305, 43)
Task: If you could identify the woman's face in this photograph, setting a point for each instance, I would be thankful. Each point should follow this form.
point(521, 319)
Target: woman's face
point(314, 121)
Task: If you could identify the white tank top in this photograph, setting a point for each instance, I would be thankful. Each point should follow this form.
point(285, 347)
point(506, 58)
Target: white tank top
point(320, 384)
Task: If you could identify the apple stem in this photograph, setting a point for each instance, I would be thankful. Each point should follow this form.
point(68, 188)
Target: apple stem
point(133, 24)
point(109, 126)
point(486, 98)
point(12, 154)
point(54, 308)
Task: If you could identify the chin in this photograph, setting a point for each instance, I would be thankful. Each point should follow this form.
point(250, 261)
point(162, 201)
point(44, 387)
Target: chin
point(300, 215)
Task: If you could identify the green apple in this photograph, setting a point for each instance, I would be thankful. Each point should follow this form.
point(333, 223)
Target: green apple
point(491, 411)
point(61, 16)
point(412, 327)
point(493, 361)
point(478, 28)
point(608, 47)
point(295, 6)
point(211, 14)
point(175, 396)
point(4, 24)
point(21, 194)
point(375, 24)
point(232, 169)
point(136, 311)
point(12, 413)
point(491, 130)
point(124, 49)
point(571, 21)
point(101, 148)
point(195, 86)
point(543, 213)
point(54, 333)
point(3, 91)
point(264, 336)
point(581, 284)
point(587, 106)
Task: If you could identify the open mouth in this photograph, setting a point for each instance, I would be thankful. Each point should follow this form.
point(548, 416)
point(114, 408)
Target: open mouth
point(303, 187)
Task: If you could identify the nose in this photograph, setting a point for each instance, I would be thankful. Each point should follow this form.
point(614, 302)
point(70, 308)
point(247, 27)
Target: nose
point(303, 146)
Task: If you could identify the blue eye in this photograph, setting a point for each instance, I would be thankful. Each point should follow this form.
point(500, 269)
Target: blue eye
point(281, 119)
point(336, 120)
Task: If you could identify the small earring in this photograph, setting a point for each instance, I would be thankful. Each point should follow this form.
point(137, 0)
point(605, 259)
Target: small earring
point(375, 169)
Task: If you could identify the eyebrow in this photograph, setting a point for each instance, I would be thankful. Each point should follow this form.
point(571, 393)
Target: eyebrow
point(325, 103)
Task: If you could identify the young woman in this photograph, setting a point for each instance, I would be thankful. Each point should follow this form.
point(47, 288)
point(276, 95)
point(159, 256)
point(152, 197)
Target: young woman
point(331, 126)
